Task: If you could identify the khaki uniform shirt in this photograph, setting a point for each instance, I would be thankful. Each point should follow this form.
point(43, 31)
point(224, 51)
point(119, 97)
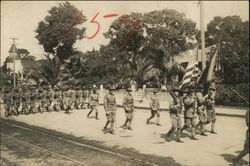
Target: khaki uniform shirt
point(155, 103)
point(128, 102)
point(110, 103)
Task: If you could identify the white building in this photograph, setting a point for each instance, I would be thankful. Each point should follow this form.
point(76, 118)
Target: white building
point(10, 61)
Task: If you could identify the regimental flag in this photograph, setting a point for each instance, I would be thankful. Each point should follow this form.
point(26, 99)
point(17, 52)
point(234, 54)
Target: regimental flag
point(190, 76)
point(208, 74)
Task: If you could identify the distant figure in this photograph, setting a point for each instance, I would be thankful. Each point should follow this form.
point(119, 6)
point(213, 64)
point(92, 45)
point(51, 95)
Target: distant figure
point(94, 102)
point(143, 92)
point(155, 108)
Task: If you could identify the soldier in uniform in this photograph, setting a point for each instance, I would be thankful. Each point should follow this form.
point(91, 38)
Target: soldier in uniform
point(175, 110)
point(16, 100)
point(34, 100)
point(110, 109)
point(78, 97)
point(189, 114)
point(210, 109)
point(40, 100)
point(50, 99)
point(68, 100)
point(94, 102)
point(128, 105)
point(200, 107)
point(155, 108)
point(57, 96)
point(8, 101)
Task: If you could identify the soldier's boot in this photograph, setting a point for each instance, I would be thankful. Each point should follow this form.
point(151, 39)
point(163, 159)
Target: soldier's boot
point(193, 134)
point(203, 130)
point(112, 131)
point(89, 113)
point(96, 116)
point(179, 136)
point(130, 124)
point(106, 125)
point(124, 126)
point(151, 117)
point(212, 128)
point(158, 121)
point(184, 128)
point(168, 135)
point(198, 124)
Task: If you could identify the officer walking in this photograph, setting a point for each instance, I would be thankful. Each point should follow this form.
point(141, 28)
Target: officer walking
point(175, 110)
point(110, 109)
point(94, 102)
point(128, 105)
point(155, 108)
point(189, 114)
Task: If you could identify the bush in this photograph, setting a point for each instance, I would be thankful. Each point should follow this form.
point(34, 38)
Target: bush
point(225, 96)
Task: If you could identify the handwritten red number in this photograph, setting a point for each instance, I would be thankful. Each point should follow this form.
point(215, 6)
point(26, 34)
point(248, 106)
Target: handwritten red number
point(137, 22)
point(98, 28)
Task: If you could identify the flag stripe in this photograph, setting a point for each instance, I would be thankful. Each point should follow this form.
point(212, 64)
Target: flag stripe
point(189, 73)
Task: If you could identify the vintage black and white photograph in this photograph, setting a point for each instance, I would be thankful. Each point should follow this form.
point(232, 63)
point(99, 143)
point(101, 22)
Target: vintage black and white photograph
point(124, 83)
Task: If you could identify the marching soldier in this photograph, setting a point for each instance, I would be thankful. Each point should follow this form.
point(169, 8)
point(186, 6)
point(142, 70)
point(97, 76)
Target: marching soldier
point(34, 100)
point(128, 105)
point(57, 99)
point(200, 107)
point(41, 99)
point(25, 101)
point(189, 114)
point(110, 109)
point(50, 99)
point(7, 102)
point(155, 108)
point(78, 97)
point(210, 109)
point(16, 101)
point(67, 100)
point(94, 102)
point(175, 110)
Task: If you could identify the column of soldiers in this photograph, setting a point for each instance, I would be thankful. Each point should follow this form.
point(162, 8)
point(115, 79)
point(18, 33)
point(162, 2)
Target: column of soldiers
point(192, 103)
point(27, 100)
point(188, 102)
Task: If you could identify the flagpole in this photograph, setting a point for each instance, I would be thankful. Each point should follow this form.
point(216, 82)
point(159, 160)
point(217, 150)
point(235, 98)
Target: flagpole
point(203, 56)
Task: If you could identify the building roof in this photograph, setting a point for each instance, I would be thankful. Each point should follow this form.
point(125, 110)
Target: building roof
point(13, 48)
point(192, 56)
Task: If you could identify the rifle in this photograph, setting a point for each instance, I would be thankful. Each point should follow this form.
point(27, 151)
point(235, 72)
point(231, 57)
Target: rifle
point(243, 98)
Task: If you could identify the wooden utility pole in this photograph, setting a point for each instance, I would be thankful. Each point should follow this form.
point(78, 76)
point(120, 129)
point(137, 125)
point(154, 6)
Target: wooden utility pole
point(203, 55)
point(14, 60)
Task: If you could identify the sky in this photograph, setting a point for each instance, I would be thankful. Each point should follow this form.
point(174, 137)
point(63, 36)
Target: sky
point(20, 18)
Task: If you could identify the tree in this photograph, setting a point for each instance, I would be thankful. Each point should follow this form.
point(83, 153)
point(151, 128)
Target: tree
point(154, 38)
point(233, 36)
point(60, 26)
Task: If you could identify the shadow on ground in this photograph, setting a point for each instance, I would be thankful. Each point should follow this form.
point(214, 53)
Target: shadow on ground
point(229, 158)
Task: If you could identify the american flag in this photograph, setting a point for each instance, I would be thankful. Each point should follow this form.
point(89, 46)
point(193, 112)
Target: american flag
point(191, 74)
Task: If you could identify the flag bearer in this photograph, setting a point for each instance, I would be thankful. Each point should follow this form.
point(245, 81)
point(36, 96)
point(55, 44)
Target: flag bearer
point(128, 105)
point(175, 110)
point(110, 109)
point(155, 108)
point(189, 114)
point(94, 102)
